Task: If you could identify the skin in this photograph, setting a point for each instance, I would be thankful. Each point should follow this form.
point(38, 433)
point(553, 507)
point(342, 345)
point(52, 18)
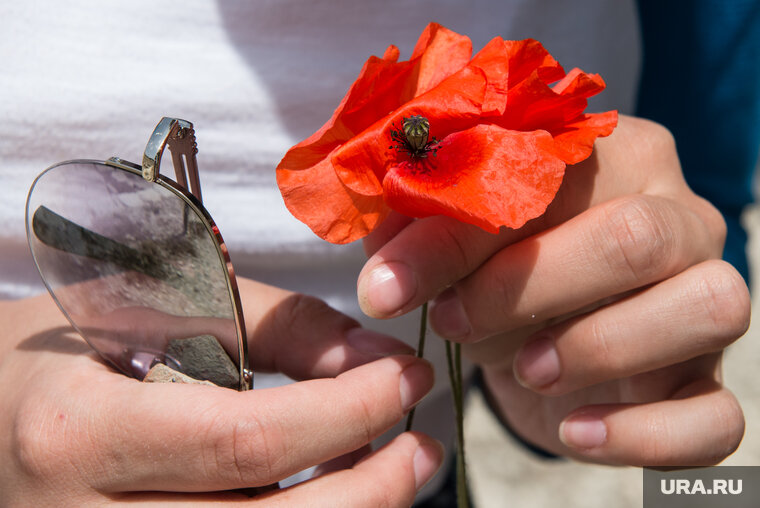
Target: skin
point(79, 434)
point(600, 325)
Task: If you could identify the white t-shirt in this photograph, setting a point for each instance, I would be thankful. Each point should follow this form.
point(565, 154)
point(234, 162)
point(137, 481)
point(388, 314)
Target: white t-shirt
point(89, 79)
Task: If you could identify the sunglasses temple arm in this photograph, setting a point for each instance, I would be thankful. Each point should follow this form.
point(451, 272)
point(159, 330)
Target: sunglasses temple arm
point(180, 136)
point(184, 150)
point(62, 234)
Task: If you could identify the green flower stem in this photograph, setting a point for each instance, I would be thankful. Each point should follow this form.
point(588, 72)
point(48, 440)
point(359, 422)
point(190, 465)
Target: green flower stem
point(420, 352)
point(454, 361)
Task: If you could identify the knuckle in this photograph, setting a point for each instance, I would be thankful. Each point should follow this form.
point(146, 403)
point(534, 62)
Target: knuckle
point(454, 243)
point(652, 139)
point(605, 354)
point(303, 307)
point(246, 452)
point(723, 299)
point(300, 311)
point(656, 442)
point(365, 423)
point(385, 497)
point(730, 421)
point(722, 431)
point(29, 445)
point(633, 237)
point(492, 315)
point(714, 222)
point(506, 290)
point(659, 138)
point(40, 444)
point(391, 488)
point(367, 413)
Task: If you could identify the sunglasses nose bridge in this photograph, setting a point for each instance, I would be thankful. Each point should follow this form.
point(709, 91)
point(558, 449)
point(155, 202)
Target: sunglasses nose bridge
point(179, 135)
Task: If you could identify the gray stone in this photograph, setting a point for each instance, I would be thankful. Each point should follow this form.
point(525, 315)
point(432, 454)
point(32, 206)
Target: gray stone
point(202, 357)
point(160, 373)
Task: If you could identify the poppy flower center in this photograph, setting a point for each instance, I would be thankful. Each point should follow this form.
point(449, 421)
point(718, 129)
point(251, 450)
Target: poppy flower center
point(413, 137)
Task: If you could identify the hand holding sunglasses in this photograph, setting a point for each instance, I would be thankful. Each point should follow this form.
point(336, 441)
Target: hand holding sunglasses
point(138, 268)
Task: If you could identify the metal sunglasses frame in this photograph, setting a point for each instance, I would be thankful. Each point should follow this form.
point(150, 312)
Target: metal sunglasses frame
point(179, 136)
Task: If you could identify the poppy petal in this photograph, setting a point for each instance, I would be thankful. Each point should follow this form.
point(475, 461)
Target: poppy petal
point(507, 136)
point(575, 141)
point(507, 63)
point(558, 110)
point(316, 197)
point(391, 54)
point(384, 84)
point(529, 55)
point(455, 104)
point(485, 175)
point(441, 53)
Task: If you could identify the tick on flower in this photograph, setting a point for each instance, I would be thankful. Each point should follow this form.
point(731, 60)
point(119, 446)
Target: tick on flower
point(412, 138)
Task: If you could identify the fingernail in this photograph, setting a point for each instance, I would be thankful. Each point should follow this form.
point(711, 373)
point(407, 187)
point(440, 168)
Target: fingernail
point(427, 460)
point(537, 363)
point(367, 341)
point(448, 318)
point(416, 381)
point(583, 432)
point(387, 288)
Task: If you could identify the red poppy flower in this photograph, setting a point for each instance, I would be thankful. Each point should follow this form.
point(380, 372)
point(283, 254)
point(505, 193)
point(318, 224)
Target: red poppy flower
point(501, 136)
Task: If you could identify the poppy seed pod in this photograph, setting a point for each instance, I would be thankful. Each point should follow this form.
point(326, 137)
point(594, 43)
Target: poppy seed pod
point(416, 130)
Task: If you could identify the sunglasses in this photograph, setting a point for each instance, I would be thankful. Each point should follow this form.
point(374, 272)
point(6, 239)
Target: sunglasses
point(137, 265)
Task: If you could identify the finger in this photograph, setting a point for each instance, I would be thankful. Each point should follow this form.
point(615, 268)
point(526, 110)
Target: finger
point(702, 425)
point(123, 435)
point(433, 253)
point(302, 337)
point(343, 462)
point(322, 342)
point(698, 311)
point(411, 265)
point(144, 327)
point(389, 228)
point(612, 248)
point(419, 262)
point(389, 477)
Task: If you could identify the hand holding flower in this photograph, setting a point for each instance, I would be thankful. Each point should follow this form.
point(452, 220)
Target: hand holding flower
point(483, 141)
point(599, 313)
point(611, 309)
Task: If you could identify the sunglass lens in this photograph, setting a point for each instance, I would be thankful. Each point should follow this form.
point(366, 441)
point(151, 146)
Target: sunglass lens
point(138, 271)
